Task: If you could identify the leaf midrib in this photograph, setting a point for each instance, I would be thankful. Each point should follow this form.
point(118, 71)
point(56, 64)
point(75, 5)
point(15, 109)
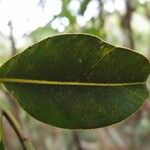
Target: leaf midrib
point(45, 82)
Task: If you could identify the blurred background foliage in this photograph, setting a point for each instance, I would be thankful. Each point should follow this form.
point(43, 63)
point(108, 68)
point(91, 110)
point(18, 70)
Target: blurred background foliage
point(120, 22)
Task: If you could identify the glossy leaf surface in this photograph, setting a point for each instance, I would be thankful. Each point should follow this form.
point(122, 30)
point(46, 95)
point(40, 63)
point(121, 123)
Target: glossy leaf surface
point(77, 81)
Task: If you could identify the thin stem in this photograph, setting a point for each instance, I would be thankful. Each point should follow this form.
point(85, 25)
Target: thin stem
point(19, 135)
point(26, 144)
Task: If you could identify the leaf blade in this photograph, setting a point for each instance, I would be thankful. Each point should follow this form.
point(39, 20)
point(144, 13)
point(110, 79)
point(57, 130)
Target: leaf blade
point(58, 80)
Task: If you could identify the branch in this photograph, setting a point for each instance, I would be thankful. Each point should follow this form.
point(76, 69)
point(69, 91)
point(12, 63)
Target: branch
point(20, 137)
point(26, 144)
point(13, 45)
point(76, 139)
point(126, 25)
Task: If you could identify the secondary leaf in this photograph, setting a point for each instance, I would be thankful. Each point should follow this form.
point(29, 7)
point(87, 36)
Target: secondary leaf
point(77, 81)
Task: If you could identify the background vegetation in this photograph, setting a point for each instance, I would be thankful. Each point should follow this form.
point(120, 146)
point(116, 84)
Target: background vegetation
point(120, 22)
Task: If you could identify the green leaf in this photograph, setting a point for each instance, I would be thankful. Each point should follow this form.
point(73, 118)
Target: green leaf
point(77, 81)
